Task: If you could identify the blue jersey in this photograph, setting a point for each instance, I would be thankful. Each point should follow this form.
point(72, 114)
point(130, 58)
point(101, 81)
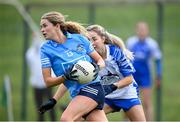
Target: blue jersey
point(60, 57)
point(117, 64)
point(144, 51)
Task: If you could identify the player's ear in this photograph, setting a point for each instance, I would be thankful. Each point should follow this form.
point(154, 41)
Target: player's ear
point(103, 39)
point(57, 26)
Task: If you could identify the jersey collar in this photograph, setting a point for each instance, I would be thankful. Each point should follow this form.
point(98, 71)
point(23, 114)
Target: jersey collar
point(55, 44)
point(69, 35)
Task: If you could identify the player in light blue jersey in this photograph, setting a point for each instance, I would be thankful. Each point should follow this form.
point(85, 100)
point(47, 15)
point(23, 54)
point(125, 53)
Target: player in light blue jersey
point(64, 47)
point(121, 90)
point(145, 49)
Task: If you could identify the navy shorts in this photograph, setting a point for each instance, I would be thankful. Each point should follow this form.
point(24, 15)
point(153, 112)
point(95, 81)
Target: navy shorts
point(94, 91)
point(125, 104)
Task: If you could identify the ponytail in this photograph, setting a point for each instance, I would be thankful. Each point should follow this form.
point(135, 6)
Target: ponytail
point(74, 27)
point(118, 41)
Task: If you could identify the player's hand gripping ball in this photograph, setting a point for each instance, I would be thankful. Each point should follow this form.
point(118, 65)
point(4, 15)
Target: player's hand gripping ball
point(85, 71)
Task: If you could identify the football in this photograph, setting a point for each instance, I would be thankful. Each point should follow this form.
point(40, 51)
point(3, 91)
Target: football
point(84, 71)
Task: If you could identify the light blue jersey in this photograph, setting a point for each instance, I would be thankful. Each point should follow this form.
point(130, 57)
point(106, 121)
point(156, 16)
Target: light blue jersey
point(118, 64)
point(60, 57)
point(144, 51)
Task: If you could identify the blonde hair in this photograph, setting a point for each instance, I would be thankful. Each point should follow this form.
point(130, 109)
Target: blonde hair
point(75, 27)
point(69, 26)
point(111, 39)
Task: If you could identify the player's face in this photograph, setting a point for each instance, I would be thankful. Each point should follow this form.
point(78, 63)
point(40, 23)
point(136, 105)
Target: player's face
point(142, 30)
point(48, 29)
point(97, 40)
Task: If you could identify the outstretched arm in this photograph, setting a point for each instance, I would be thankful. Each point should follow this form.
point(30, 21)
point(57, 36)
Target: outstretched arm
point(53, 81)
point(119, 84)
point(158, 72)
point(99, 60)
point(49, 80)
point(60, 92)
point(124, 82)
point(52, 101)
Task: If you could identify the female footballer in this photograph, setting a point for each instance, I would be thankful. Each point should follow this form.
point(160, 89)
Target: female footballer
point(61, 51)
point(145, 50)
point(120, 88)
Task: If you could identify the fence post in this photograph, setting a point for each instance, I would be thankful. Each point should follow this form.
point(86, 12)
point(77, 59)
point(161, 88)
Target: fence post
point(24, 71)
point(92, 13)
point(160, 20)
point(7, 86)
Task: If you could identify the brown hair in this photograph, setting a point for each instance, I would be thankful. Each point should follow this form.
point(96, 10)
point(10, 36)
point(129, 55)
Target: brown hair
point(69, 26)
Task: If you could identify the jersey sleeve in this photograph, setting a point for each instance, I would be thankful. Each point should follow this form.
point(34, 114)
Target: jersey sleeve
point(131, 42)
point(45, 60)
point(124, 64)
point(156, 53)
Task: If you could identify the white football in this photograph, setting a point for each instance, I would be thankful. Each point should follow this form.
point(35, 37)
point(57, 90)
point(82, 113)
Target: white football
point(84, 71)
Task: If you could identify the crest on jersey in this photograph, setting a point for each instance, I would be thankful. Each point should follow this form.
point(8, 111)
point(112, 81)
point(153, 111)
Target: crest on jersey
point(80, 48)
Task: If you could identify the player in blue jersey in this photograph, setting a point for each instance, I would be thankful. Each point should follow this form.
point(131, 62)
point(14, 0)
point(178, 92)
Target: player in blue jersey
point(121, 90)
point(125, 98)
point(62, 50)
point(145, 49)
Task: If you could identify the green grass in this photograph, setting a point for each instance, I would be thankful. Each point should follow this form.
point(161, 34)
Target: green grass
point(117, 19)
